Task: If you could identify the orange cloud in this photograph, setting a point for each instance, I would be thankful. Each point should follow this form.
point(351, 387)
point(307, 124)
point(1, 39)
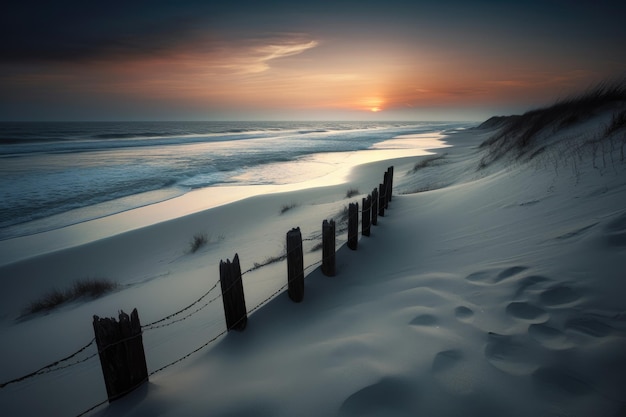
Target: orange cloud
point(256, 58)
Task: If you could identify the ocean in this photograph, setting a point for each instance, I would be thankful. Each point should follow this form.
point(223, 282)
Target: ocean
point(54, 174)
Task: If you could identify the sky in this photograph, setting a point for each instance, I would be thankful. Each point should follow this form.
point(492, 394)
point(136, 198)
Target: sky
point(306, 60)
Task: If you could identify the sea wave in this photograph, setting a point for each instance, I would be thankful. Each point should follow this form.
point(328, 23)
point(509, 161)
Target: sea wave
point(48, 170)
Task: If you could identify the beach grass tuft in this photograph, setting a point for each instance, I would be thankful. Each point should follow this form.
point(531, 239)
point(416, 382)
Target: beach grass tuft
point(202, 239)
point(341, 218)
point(424, 188)
point(89, 288)
point(197, 241)
point(286, 207)
point(270, 260)
point(352, 192)
point(618, 122)
point(426, 162)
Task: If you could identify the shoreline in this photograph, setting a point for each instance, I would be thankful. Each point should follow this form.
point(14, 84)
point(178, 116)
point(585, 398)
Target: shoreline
point(139, 246)
point(55, 186)
point(340, 171)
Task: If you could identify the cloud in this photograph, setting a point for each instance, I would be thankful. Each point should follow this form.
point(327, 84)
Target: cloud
point(275, 51)
point(256, 58)
point(75, 31)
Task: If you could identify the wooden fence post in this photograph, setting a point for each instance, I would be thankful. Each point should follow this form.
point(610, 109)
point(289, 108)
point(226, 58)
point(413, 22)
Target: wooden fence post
point(375, 206)
point(328, 248)
point(120, 348)
point(390, 171)
point(232, 294)
point(295, 265)
point(381, 200)
point(353, 226)
point(365, 228)
point(386, 188)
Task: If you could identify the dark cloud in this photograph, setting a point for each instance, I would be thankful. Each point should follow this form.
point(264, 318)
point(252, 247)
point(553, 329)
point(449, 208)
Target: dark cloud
point(40, 31)
point(77, 30)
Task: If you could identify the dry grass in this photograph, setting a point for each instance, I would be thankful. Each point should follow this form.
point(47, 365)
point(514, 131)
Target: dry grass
point(617, 123)
point(198, 241)
point(352, 192)
point(89, 288)
point(423, 189)
point(270, 260)
point(519, 135)
point(426, 162)
point(286, 207)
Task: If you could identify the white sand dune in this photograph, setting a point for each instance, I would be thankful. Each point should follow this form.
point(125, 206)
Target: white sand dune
point(494, 291)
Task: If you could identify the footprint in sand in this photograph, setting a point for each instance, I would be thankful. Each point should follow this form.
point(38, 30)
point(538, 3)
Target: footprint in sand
point(527, 282)
point(558, 295)
point(424, 320)
point(524, 311)
point(549, 337)
point(493, 277)
point(554, 381)
point(511, 354)
point(390, 395)
point(589, 326)
point(616, 231)
point(446, 359)
point(464, 313)
point(509, 272)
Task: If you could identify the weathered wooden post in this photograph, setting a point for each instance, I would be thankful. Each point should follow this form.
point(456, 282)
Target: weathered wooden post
point(232, 294)
point(295, 265)
point(120, 348)
point(353, 226)
point(390, 171)
point(386, 188)
point(381, 200)
point(375, 206)
point(365, 220)
point(328, 248)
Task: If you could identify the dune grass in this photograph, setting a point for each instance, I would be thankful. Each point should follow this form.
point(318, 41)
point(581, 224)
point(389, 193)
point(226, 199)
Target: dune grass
point(424, 188)
point(88, 288)
point(197, 241)
point(286, 207)
point(426, 162)
point(200, 240)
point(617, 123)
point(270, 259)
point(352, 192)
point(519, 135)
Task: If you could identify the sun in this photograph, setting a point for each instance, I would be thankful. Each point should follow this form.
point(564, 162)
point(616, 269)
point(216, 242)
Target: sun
point(373, 104)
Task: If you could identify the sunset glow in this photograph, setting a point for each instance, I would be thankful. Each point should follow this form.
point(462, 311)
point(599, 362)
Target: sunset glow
point(271, 63)
point(373, 104)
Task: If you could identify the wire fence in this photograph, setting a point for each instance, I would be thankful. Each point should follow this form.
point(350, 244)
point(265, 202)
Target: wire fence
point(51, 367)
point(199, 348)
point(176, 317)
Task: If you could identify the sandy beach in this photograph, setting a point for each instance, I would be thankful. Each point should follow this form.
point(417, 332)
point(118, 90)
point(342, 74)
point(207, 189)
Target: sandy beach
point(146, 146)
point(491, 287)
